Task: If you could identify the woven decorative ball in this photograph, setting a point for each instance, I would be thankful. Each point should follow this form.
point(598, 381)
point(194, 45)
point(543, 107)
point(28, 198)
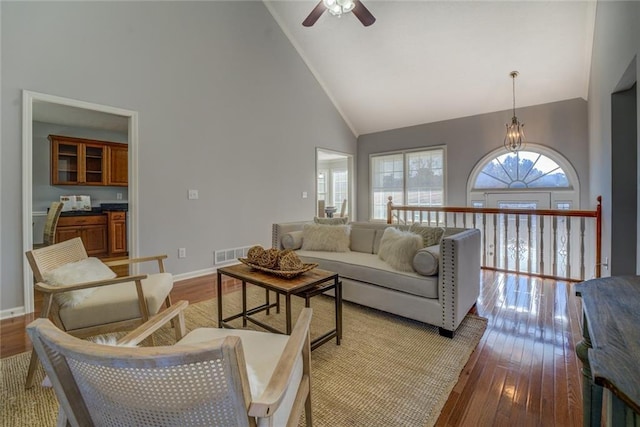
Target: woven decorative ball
point(290, 262)
point(283, 253)
point(269, 258)
point(254, 254)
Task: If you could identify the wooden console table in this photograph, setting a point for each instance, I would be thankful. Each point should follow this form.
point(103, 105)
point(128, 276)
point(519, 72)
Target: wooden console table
point(610, 350)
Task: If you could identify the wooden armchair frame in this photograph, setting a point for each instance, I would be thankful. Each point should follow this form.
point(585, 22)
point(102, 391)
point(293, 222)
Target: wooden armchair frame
point(60, 352)
point(48, 258)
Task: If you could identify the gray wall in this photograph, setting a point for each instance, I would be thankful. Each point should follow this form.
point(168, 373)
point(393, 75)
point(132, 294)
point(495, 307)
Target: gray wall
point(559, 125)
point(226, 106)
point(43, 192)
point(616, 47)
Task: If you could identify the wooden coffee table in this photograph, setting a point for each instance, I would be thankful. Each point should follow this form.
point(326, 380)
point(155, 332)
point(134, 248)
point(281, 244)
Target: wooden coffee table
point(307, 285)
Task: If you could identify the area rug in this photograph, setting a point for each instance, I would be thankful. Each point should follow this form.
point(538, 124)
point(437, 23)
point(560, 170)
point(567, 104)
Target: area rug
point(388, 371)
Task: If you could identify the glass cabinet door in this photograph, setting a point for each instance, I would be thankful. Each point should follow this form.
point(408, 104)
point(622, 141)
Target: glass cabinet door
point(94, 164)
point(66, 163)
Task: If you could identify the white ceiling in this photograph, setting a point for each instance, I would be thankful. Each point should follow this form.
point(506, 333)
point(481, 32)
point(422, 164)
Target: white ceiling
point(426, 61)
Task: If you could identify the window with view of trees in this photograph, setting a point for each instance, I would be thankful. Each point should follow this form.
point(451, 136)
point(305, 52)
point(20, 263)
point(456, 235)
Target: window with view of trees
point(524, 169)
point(411, 177)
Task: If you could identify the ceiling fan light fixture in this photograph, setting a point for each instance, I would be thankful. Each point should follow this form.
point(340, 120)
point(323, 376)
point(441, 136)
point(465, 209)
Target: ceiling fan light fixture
point(514, 140)
point(339, 7)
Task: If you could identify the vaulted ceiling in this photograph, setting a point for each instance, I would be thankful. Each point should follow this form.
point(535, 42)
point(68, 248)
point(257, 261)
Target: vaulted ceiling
point(426, 61)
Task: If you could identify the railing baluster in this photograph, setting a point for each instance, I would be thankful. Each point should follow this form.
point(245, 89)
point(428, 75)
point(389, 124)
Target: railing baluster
point(484, 238)
point(582, 266)
point(558, 239)
point(554, 236)
point(506, 240)
point(517, 243)
point(541, 220)
point(568, 220)
point(529, 245)
point(495, 241)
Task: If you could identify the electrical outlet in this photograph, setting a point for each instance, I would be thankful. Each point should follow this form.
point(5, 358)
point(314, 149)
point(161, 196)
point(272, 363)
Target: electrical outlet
point(182, 252)
point(304, 195)
point(193, 194)
point(605, 264)
point(119, 196)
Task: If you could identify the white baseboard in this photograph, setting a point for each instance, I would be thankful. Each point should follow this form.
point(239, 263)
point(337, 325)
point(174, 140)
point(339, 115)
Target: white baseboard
point(199, 273)
point(193, 274)
point(12, 312)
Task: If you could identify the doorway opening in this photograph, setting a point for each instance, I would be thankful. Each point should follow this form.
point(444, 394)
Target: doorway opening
point(38, 108)
point(334, 183)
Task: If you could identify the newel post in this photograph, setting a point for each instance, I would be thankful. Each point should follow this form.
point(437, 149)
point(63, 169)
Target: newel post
point(389, 208)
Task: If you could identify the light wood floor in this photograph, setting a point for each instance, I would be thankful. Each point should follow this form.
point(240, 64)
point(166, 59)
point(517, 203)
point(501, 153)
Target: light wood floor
point(523, 373)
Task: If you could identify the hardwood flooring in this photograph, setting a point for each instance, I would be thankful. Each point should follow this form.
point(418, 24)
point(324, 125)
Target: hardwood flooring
point(524, 372)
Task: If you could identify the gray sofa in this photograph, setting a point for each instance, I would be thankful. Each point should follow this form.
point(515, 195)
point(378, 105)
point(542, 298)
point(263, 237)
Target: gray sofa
point(442, 299)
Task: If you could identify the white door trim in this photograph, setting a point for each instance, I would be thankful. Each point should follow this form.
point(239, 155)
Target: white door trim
point(28, 98)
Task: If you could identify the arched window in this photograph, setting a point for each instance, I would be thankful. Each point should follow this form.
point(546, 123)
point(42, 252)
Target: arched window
point(524, 169)
point(537, 176)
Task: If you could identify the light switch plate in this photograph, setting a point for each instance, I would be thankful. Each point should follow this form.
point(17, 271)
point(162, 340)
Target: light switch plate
point(193, 194)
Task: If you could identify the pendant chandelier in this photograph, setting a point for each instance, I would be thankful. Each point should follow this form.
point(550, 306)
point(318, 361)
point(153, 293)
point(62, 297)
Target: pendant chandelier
point(514, 139)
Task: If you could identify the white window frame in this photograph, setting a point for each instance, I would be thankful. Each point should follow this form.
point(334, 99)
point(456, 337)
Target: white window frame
point(373, 156)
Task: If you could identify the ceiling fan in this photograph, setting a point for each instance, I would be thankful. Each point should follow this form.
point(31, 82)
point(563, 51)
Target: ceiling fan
point(339, 7)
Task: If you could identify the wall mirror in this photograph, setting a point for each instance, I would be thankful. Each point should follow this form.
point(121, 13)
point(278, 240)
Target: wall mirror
point(334, 183)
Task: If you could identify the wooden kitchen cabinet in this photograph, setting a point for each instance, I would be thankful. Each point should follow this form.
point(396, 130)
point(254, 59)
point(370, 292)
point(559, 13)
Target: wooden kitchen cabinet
point(76, 161)
point(79, 161)
point(118, 165)
point(117, 227)
point(92, 229)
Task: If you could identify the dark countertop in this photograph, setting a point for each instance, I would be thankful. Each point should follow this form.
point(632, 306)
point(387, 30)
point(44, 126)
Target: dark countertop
point(104, 207)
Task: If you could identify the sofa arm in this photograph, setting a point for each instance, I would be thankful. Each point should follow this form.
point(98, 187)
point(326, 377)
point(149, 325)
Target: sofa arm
point(280, 229)
point(459, 279)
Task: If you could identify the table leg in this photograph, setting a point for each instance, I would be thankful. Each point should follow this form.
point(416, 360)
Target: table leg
point(338, 301)
point(288, 308)
point(266, 297)
point(244, 304)
point(219, 286)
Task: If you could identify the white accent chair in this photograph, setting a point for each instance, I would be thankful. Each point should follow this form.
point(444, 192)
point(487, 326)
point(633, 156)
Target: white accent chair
point(116, 304)
point(204, 379)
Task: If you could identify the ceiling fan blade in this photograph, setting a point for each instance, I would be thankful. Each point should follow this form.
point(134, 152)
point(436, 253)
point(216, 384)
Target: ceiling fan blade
point(363, 14)
point(314, 15)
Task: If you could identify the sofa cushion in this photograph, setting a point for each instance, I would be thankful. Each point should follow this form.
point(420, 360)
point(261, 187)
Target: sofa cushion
point(426, 261)
point(342, 220)
point(362, 239)
point(292, 240)
point(398, 248)
point(85, 270)
point(430, 235)
point(371, 269)
point(321, 237)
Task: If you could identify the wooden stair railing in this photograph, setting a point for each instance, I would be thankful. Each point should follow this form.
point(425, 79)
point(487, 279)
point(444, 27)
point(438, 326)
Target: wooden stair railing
point(548, 243)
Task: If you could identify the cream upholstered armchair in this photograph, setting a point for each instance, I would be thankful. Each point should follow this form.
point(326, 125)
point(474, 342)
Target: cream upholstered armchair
point(84, 297)
point(213, 377)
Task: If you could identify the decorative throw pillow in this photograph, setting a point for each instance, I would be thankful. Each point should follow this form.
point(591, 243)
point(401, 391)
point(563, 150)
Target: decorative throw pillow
point(86, 270)
point(427, 260)
point(430, 235)
point(332, 221)
point(330, 238)
point(292, 240)
point(397, 248)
